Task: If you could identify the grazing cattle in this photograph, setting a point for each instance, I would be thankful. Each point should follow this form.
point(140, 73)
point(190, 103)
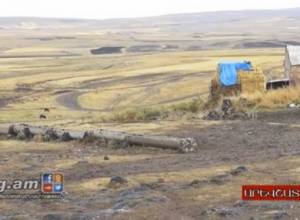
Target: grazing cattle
point(46, 110)
point(43, 117)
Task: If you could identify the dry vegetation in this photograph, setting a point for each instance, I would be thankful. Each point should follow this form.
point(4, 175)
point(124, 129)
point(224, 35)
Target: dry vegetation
point(271, 100)
point(157, 92)
point(85, 89)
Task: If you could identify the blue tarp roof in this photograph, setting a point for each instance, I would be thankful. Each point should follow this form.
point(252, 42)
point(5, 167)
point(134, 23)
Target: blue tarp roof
point(228, 71)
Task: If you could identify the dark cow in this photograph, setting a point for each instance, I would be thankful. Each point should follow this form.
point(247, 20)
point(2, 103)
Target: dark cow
point(43, 117)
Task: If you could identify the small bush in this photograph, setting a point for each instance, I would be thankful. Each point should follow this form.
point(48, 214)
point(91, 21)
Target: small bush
point(143, 114)
point(193, 106)
point(154, 113)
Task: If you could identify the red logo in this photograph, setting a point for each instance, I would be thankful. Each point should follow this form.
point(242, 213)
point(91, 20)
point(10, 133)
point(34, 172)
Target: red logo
point(271, 192)
point(47, 188)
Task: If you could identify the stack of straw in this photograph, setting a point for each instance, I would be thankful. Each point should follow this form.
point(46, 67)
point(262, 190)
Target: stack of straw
point(252, 81)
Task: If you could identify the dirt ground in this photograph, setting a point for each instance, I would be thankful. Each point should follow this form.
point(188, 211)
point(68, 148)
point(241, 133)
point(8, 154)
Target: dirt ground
point(163, 184)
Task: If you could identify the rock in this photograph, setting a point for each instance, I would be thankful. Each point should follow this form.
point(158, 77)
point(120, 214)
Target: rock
point(80, 217)
point(238, 170)
point(11, 131)
point(241, 203)
point(227, 112)
point(52, 217)
point(237, 116)
point(292, 105)
point(253, 218)
point(135, 198)
point(118, 144)
point(117, 182)
point(106, 157)
point(227, 107)
point(89, 137)
point(225, 212)
point(66, 137)
point(196, 183)
point(24, 134)
point(220, 179)
point(213, 115)
point(50, 135)
point(280, 215)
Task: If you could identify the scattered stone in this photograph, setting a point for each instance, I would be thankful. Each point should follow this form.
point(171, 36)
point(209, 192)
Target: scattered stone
point(134, 198)
point(11, 131)
point(66, 137)
point(46, 110)
point(208, 211)
point(225, 212)
point(117, 182)
point(227, 112)
point(220, 179)
point(188, 145)
point(227, 107)
point(196, 183)
point(280, 215)
point(52, 217)
point(50, 135)
point(237, 116)
point(89, 137)
point(239, 170)
point(118, 144)
point(81, 217)
point(292, 105)
point(24, 134)
point(214, 116)
point(253, 218)
point(241, 203)
point(106, 157)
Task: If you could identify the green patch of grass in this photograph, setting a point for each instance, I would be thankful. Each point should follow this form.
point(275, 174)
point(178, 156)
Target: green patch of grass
point(154, 113)
point(193, 106)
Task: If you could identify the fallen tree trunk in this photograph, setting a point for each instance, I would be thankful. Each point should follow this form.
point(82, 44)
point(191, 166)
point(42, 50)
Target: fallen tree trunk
point(27, 132)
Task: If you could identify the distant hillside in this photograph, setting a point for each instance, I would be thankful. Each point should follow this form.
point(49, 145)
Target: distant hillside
point(177, 22)
point(196, 31)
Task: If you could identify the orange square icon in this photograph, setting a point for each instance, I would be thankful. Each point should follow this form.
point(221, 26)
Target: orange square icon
point(58, 178)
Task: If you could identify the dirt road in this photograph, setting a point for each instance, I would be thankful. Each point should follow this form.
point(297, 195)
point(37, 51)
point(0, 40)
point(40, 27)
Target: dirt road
point(147, 81)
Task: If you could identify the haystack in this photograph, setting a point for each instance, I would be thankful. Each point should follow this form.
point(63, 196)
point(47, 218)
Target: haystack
point(252, 81)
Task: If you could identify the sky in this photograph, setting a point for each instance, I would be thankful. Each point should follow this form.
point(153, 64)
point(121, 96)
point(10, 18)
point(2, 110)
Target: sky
point(104, 9)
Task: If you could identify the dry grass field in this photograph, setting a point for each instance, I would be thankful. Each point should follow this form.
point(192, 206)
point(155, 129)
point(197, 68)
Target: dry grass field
point(92, 88)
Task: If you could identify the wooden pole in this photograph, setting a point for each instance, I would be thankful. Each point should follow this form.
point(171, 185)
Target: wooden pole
point(182, 144)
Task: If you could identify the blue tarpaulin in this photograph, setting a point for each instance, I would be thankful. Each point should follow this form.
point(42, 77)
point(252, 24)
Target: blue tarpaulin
point(228, 71)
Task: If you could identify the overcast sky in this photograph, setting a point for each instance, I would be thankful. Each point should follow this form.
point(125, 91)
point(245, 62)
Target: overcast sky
point(102, 9)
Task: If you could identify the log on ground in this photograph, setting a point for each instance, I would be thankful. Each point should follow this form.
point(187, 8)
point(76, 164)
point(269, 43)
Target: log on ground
point(182, 144)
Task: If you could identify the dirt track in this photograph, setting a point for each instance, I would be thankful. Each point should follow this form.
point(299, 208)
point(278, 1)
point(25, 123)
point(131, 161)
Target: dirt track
point(164, 184)
point(146, 81)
